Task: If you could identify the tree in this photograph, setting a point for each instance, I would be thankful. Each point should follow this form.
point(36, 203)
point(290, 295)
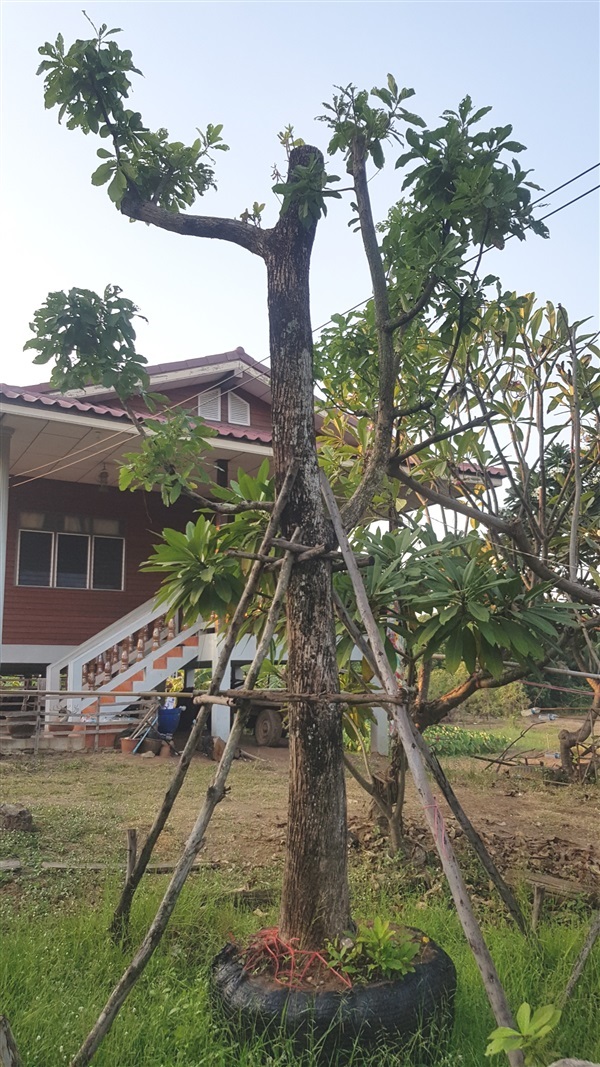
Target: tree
point(521, 400)
point(463, 196)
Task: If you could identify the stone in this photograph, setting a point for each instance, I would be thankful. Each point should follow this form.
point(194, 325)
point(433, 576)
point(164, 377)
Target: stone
point(15, 817)
point(148, 755)
point(574, 1063)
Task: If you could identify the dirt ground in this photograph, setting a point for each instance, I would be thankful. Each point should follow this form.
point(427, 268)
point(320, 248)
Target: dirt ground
point(83, 804)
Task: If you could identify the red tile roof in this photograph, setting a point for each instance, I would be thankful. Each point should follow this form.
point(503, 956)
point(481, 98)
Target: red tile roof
point(237, 355)
point(32, 396)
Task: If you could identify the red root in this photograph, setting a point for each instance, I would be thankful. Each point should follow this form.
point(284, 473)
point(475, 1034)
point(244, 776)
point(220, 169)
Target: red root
point(285, 962)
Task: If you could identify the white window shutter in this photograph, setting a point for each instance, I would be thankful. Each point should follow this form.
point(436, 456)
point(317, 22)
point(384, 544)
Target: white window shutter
point(209, 405)
point(239, 410)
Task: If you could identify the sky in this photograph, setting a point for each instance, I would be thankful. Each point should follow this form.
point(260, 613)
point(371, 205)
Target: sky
point(256, 67)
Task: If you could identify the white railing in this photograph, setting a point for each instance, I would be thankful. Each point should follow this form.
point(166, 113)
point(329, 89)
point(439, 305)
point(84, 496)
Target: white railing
point(114, 654)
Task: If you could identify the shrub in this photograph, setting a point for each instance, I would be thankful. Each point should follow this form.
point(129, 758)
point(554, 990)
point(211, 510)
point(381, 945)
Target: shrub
point(456, 741)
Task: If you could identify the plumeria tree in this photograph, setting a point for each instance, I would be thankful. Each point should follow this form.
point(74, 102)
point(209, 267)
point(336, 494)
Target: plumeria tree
point(461, 191)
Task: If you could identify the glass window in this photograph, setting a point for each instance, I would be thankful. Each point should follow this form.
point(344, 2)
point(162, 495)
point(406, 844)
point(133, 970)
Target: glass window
point(35, 558)
point(107, 568)
point(72, 561)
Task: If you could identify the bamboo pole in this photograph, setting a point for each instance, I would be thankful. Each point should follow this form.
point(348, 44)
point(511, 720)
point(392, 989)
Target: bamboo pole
point(487, 969)
point(121, 916)
point(214, 794)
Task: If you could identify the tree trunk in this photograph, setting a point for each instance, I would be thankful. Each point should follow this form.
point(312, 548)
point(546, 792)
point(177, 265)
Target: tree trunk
point(315, 901)
point(568, 739)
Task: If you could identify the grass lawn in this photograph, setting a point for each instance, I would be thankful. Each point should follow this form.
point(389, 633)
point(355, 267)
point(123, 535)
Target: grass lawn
point(57, 965)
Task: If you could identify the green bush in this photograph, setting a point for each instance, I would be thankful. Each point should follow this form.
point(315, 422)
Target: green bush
point(456, 741)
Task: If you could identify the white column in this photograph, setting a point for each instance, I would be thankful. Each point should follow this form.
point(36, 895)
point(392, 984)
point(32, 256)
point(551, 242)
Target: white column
point(220, 720)
point(380, 732)
point(5, 436)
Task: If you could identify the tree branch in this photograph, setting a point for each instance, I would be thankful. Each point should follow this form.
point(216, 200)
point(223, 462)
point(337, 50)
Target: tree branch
point(419, 305)
point(388, 361)
point(429, 712)
point(434, 440)
point(240, 233)
point(576, 449)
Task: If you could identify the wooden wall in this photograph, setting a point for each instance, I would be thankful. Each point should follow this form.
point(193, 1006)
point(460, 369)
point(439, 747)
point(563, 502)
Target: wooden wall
point(34, 616)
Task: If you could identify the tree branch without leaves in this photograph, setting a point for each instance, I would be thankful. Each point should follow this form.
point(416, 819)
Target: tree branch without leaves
point(240, 233)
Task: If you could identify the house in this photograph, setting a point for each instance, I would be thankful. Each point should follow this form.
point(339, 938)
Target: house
point(74, 605)
point(73, 599)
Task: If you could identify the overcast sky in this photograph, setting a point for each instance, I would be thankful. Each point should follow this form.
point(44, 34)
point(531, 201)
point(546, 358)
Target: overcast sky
point(256, 67)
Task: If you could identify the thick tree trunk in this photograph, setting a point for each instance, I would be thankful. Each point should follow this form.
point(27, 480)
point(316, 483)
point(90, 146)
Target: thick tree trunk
point(315, 902)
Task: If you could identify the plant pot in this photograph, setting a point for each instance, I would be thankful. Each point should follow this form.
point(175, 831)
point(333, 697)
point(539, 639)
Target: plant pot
point(420, 1004)
point(128, 744)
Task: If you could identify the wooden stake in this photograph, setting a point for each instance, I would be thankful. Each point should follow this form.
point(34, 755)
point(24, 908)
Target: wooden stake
point(131, 852)
point(538, 899)
point(587, 947)
point(491, 981)
point(434, 766)
point(214, 794)
point(120, 918)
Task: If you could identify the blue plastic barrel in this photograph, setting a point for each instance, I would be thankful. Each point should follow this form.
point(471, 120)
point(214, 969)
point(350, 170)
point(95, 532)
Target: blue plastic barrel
point(168, 719)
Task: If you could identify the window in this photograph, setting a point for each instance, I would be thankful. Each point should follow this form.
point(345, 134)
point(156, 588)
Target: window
point(239, 410)
point(70, 552)
point(209, 405)
point(107, 566)
point(35, 558)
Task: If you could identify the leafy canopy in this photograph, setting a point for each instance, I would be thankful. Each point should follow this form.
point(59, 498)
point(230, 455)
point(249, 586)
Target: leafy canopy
point(90, 84)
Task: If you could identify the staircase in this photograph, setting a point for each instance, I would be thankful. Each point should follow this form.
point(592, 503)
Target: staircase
point(137, 653)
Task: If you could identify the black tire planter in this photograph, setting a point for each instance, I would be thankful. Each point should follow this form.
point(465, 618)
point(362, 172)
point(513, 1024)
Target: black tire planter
point(420, 1004)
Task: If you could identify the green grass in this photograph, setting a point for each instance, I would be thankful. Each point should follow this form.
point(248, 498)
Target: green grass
point(57, 967)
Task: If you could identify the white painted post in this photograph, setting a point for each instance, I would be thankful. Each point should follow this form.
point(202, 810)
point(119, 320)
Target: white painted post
point(5, 436)
point(380, 732)
point(220, 718)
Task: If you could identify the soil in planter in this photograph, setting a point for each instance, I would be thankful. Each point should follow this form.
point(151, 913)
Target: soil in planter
point(319, 1009)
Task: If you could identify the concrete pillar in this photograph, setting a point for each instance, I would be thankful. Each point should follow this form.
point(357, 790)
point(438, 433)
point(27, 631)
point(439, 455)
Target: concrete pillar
point(5, 435)
point(220, 720)
point(380, 732)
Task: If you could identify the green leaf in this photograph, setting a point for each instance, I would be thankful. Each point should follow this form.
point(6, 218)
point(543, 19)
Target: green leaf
point(478, 611)
point(523, 1018)
point(103, 173)
point(454, 650)
point(546, 1016)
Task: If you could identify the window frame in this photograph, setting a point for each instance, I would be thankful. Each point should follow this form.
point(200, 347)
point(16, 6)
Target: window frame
point(233, 395)
point(216, 391)
point(52, 584)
